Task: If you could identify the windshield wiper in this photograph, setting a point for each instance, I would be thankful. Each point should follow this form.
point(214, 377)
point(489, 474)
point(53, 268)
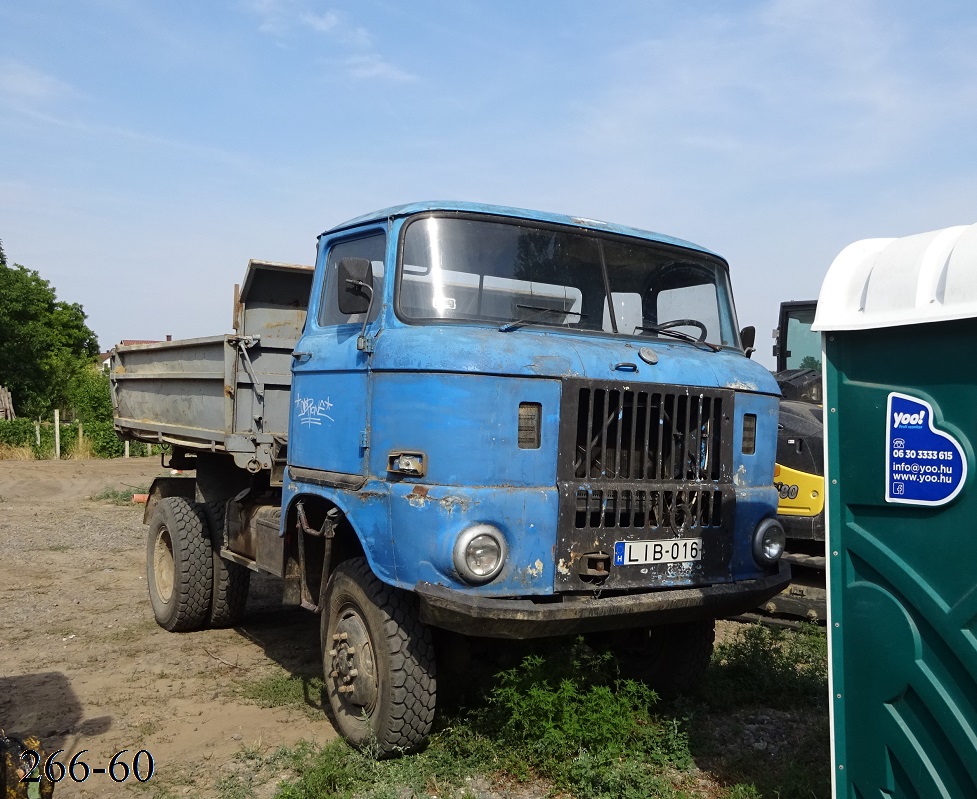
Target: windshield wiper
point(668, 331)
point(528, 319)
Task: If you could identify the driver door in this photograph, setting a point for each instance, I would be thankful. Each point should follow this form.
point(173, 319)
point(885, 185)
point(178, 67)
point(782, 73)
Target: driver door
point(330, 376)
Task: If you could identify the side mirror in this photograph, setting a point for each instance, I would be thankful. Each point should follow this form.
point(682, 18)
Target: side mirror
point(355, 285)
point(748, 337)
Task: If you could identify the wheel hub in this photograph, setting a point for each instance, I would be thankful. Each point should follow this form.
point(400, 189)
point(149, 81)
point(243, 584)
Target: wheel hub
point(163, 565)
point(353, 662)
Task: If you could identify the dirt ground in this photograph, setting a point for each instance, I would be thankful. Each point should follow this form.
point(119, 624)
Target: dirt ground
point(83, 664)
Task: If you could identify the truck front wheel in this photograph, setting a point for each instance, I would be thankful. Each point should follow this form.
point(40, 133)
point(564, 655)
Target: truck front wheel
point(378, 660)
point(179, 567)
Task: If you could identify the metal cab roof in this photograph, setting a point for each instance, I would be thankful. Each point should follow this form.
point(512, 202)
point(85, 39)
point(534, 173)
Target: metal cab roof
point(519, 213)
point(929, 277)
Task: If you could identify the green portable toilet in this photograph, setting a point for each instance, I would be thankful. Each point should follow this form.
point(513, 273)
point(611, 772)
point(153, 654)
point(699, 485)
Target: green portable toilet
point(899, 325)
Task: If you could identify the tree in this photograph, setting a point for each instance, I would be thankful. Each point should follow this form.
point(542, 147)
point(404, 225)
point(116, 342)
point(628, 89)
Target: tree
point(90, 396)
point(44, 342)
point(810, 362)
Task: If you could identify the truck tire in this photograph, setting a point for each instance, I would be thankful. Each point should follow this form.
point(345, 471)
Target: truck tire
point(231, 580)
point(378, 661)
point(671, 658)
point(179, 565)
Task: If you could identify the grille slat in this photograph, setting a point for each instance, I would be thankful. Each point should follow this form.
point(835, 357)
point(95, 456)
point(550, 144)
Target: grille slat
point(642, 509)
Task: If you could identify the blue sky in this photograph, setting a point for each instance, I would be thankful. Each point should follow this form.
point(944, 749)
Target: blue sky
point(148, 150)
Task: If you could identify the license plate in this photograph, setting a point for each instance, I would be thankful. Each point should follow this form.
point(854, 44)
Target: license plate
point(669, 550)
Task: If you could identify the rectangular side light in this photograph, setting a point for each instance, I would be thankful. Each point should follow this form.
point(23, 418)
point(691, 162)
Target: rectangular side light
point(749, 433)
point(530, 423)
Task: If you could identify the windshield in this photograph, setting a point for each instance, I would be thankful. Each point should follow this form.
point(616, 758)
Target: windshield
point(803, 345)
point(511, 273)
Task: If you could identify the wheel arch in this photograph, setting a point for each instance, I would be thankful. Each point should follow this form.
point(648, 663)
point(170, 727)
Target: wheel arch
point(164, 487)
point(339, 540)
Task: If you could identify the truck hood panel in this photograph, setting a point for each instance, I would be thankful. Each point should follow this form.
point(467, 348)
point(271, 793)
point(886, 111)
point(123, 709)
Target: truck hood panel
point(536, 352)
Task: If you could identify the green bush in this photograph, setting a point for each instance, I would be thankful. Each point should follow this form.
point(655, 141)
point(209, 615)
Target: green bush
point(22, 433)
point(90, 396)
point(105, 443)
point(17, 432)
point(100, 436)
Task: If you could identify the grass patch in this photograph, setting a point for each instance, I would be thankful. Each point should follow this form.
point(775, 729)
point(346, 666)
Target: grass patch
point(788, 667)
point(234, 787)
point(768, 678)
point(286, 690)
point(571, 719)
point(83, 450)
point(117, 496)
point(8, 452)
point(563, 722)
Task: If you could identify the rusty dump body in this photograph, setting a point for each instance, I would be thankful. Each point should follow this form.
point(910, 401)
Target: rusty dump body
point(225, 393)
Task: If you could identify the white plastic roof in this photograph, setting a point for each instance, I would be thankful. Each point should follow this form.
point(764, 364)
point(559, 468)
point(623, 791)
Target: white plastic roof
point(930, 277)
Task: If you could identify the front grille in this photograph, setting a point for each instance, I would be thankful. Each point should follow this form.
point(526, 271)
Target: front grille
point(647, 435)
point(641, 463)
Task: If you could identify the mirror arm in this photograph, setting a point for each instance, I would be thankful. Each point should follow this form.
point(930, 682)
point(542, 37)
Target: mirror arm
point(361, 342)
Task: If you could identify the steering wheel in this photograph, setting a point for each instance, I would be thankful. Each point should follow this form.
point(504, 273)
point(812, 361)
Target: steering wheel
point(685, 323)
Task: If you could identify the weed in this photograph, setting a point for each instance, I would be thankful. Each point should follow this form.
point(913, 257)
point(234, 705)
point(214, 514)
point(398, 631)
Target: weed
point(13, 453)
point(54, 547)
point(564, 722)
point(285, 690)
point(118, 496)
point(778, 667)
point(234, 787)
point(744, 792)
point(767, 673)
point(146, 728)
point(578, 703)
point(83, 450)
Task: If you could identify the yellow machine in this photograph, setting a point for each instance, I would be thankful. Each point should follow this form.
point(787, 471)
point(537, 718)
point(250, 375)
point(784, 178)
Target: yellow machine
point(799, 473)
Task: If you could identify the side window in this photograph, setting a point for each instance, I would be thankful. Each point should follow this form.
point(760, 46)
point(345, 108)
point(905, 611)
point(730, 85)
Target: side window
point(372, 248)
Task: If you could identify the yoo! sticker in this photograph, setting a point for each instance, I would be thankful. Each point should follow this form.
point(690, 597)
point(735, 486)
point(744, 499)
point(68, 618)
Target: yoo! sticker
point(924, 466)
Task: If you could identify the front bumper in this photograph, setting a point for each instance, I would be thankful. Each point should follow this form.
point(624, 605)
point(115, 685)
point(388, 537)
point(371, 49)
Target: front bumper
point(568, 615)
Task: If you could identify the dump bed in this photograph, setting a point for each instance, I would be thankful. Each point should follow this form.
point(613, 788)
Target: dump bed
point(226, 393)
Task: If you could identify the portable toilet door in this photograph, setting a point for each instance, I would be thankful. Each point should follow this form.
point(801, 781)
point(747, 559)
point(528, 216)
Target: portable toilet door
point(899, 325)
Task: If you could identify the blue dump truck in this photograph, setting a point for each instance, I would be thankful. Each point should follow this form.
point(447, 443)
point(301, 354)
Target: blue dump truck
point(465, 418)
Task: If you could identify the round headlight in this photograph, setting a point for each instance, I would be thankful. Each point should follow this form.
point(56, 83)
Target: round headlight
point(480, 553)
point(768, 542)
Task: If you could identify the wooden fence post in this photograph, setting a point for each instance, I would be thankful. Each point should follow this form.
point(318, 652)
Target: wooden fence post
point(57, 434)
